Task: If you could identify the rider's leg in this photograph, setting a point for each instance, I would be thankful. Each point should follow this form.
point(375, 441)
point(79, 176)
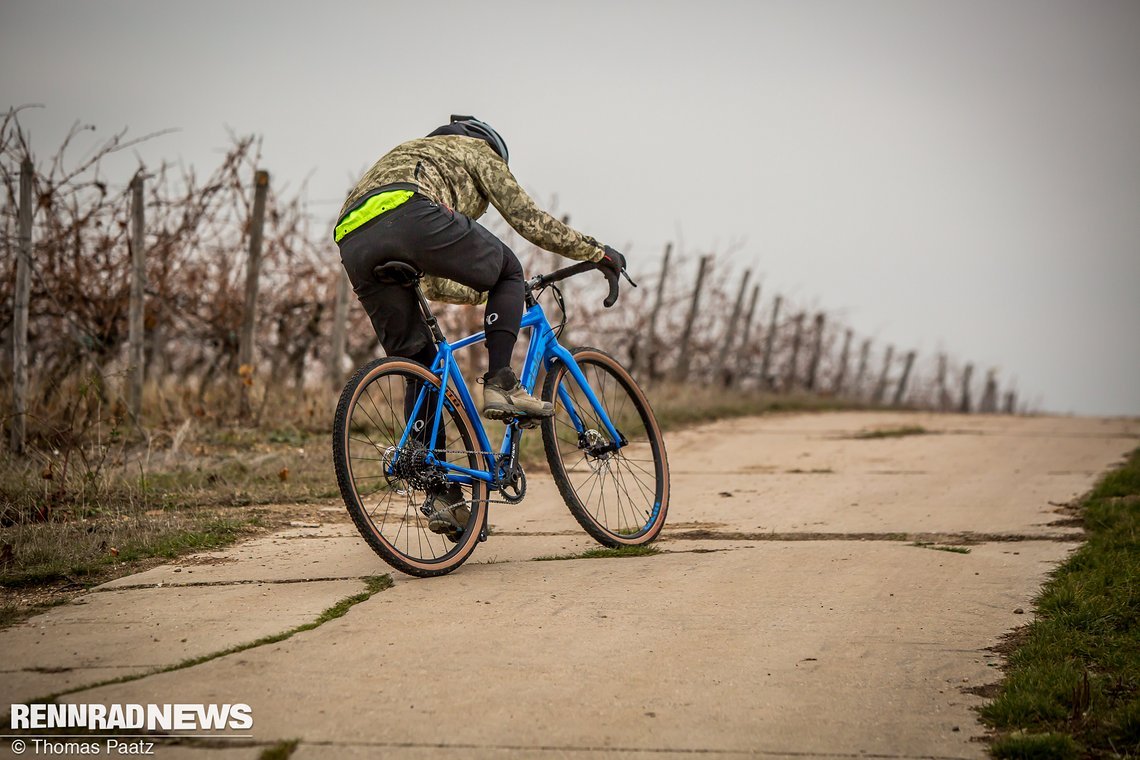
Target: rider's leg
point(400, 328)
point(424, 356)
point(503, 396)
point(451, 510)
point(503, 315)
point(447, 244)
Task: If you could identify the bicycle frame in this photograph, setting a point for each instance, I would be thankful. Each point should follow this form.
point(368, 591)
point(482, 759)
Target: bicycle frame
point(544, 350)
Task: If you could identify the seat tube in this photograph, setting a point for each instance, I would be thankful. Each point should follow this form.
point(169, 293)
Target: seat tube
point(445, 377)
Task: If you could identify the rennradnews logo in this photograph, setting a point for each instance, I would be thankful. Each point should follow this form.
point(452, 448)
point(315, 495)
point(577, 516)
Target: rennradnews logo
point(169, 717)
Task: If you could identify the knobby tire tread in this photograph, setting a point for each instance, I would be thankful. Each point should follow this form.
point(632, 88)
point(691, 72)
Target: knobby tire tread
point(348, 492)
point(579, 510)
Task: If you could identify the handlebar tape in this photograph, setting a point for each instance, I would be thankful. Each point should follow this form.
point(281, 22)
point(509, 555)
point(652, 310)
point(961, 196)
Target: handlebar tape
point(612, 278)
point(569, 271)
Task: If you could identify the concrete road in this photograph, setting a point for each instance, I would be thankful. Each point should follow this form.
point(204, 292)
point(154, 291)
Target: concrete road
point(800, 608)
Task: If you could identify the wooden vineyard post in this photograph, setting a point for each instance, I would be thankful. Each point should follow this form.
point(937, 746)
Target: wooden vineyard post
point(769, 341)
point(841, 374)
point(743, 362)
point(20, 309)
point(649, 354)
point(881, 386)
point(816, 350)
point(339, 327)
point(864, 357)
point(723, 370)
point(797, 336)
point(136, 336)
point(252, 272)
point(1010, 402)
point(944, 401)
point(964, 405)
point(900, 392)
point(990, 394)
point(684, 360)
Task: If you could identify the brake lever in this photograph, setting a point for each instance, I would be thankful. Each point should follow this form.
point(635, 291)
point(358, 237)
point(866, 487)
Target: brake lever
point(625, 274)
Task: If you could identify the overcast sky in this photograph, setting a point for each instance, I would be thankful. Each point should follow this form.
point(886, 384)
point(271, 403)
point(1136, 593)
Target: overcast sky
point(958, 175)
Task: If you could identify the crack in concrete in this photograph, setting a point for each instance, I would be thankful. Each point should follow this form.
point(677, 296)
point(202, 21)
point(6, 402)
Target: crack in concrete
point(373, 586)
point(632, 750)
point(962, 538)
point(68, 669)
point(237, 582)
point(166, 740)
point(959, 538)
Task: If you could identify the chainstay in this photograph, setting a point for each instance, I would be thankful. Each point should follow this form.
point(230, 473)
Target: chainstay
point(494, 457)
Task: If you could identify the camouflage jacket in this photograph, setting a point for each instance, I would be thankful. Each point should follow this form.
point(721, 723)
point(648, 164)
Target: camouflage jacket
point(465, 174)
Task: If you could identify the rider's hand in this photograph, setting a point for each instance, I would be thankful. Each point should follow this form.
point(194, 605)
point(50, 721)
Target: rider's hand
point(612, 260)
point(611, 265)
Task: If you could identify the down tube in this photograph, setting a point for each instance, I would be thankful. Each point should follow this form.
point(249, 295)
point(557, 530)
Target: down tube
point(572, 367)
point(449, 373)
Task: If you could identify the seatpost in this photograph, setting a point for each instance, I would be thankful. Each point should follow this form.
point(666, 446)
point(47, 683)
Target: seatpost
point(429, 317)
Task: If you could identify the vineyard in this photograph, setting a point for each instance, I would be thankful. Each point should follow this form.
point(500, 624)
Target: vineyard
point(164, 296)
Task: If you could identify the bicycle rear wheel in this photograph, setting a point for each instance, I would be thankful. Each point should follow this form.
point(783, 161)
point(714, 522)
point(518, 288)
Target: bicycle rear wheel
point(619, 496)
point(384, 484)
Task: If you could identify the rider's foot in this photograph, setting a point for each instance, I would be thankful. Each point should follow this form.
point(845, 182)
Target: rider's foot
point(504, 398)
point(451, 512)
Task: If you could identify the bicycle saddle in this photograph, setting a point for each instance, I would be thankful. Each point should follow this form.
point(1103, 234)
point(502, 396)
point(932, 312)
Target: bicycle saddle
point(397, 273)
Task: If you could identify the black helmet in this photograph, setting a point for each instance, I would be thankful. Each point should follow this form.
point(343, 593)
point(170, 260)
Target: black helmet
point(469, 126)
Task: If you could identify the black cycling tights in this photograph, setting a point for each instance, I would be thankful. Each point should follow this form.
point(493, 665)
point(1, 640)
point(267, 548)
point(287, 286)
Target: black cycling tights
point(501, 318)
point(503, 315)
point(443, 243)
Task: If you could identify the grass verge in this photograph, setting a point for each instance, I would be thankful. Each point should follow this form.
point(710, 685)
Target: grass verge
point(893, 432)
point(52, 562)
point(942, 547)
point(1072, 683)
point(603, 553)
point(282, 750)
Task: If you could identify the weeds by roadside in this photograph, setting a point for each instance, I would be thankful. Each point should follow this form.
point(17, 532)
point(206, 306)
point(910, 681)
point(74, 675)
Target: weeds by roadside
point(942, 547)
point(1072, 684)
point(92, 504)
point(894, 432)
point(282, 750)
point(604, 553)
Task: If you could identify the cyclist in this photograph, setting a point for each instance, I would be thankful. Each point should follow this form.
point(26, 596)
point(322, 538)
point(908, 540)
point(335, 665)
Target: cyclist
point(418, 204)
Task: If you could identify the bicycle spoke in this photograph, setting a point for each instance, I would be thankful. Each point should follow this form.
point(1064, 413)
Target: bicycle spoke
point(375, 423)
point(616, 494)
point(646, 493)
point(633, 501)
point(387, 501)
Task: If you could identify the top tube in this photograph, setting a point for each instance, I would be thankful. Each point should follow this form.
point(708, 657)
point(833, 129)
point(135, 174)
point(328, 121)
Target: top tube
point(533, 317)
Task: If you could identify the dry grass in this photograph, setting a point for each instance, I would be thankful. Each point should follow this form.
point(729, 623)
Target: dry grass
point(78, 514)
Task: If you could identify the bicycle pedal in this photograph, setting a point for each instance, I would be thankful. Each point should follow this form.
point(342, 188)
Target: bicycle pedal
point(527, 423)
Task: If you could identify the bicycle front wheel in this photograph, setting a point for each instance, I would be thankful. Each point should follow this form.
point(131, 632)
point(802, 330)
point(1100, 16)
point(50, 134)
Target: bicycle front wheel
point(382, 472)
point(619, 494)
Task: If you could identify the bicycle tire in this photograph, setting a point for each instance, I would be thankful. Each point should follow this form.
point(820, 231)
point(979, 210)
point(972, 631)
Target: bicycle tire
point(643, 482)
point(379, 535)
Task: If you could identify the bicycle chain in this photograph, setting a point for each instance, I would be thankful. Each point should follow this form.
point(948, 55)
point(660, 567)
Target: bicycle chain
point(494, 458)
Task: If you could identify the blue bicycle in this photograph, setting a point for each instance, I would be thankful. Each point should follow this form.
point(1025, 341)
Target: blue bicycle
point(403, 432)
